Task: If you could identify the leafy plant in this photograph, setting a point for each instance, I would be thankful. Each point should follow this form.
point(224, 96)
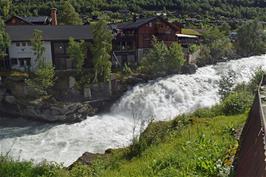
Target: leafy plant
point(76, 51)
point(101, 49)
point(163, 59)
point(4, 40)
point(44, 77)
point(226, 84)
point(237, 102)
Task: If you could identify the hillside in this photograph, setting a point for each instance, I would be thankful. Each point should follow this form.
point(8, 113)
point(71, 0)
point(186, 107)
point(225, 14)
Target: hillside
point(218, 9)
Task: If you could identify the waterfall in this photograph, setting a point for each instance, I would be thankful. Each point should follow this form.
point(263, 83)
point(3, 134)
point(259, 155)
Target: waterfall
point(162, 99)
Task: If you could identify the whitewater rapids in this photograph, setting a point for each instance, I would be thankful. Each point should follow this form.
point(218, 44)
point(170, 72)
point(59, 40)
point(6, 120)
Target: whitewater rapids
point(162, 99)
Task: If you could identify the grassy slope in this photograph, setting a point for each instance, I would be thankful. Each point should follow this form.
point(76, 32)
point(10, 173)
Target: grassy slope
point(173, 150)
point(193, 151)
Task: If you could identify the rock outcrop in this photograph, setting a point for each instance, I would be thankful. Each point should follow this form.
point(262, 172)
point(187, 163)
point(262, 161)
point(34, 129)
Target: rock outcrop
point(87, 158)
point(51, 111)
point(189, 69)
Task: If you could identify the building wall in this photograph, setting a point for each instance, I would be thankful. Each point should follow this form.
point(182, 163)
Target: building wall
point(22, 57)
point(162, 30)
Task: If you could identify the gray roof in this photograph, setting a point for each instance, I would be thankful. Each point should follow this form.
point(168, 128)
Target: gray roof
point(50, 33)
point(135, 24)
point(39, 19)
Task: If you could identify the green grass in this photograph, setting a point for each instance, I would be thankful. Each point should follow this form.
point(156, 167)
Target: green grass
point(186, 146)
point(202, 148)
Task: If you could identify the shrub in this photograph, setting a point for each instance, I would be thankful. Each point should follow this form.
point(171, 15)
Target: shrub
point(236, 103)
point(163, 59)
point(154, 134)
point(255, 81)
point(209, 112)
point(226, 84)
point(12, 168)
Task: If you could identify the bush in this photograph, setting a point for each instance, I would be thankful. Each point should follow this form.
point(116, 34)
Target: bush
point(12, 168)
point(255, 81)
point(163, 59)
point(153, 134)
point(226, 84)
point(237, 102)
point(209, 112)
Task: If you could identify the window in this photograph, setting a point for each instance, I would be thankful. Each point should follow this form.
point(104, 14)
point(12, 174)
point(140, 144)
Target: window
point(14, 61)
point(29, 43)
point(23, 44)
point(24, 62)
point(21, 62)
point(150, 24)
point(17, 44)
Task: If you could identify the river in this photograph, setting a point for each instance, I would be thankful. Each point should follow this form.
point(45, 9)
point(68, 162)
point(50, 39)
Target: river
point(162, 99)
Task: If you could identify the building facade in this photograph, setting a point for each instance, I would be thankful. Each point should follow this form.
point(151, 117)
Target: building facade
point(21, 55)
point(133, 39)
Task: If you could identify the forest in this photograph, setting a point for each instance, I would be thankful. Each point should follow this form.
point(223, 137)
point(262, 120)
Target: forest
point(199, 9)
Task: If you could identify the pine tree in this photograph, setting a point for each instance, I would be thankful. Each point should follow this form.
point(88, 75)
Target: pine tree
point(69, 14)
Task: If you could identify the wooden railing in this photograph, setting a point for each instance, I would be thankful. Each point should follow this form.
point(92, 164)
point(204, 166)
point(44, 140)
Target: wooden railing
point(250, 159)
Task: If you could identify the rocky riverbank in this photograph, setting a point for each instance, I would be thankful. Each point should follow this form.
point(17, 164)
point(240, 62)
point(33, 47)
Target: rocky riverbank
point(44, 110)
point(16, 100)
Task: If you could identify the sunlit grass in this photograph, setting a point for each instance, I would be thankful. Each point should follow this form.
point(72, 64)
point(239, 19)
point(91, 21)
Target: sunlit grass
point(191, 147)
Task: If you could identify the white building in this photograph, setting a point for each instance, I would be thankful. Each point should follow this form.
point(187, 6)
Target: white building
point(22, 57)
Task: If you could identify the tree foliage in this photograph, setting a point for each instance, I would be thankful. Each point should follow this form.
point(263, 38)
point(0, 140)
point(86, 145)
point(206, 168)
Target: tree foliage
point(207, 9)
point(251, 39)
point(37, 46)
point(69, 15)
point(216, 46)
point(162, 58)
point(226, 84)
point(101, 49)
point(5, 6)
point(76, 51)
point(4, 40)
point(44, 77)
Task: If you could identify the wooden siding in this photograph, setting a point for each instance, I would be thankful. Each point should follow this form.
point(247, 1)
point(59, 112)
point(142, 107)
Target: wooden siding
point(158, 28)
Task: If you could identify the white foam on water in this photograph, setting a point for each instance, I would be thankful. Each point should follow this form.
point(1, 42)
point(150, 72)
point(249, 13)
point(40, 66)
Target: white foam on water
point(162, 99)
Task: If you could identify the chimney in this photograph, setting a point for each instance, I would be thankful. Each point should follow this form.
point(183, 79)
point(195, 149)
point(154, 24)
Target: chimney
point(54, 16)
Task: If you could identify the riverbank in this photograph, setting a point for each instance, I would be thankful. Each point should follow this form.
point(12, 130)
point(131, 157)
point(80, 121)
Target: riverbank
point(66, 103)
point(162, 99)
point(184, 146)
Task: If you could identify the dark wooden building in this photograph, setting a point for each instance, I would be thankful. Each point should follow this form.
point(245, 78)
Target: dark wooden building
point(132, 39)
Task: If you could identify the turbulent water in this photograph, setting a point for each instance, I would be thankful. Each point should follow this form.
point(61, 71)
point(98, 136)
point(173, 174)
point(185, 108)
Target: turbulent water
point(158, 100)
